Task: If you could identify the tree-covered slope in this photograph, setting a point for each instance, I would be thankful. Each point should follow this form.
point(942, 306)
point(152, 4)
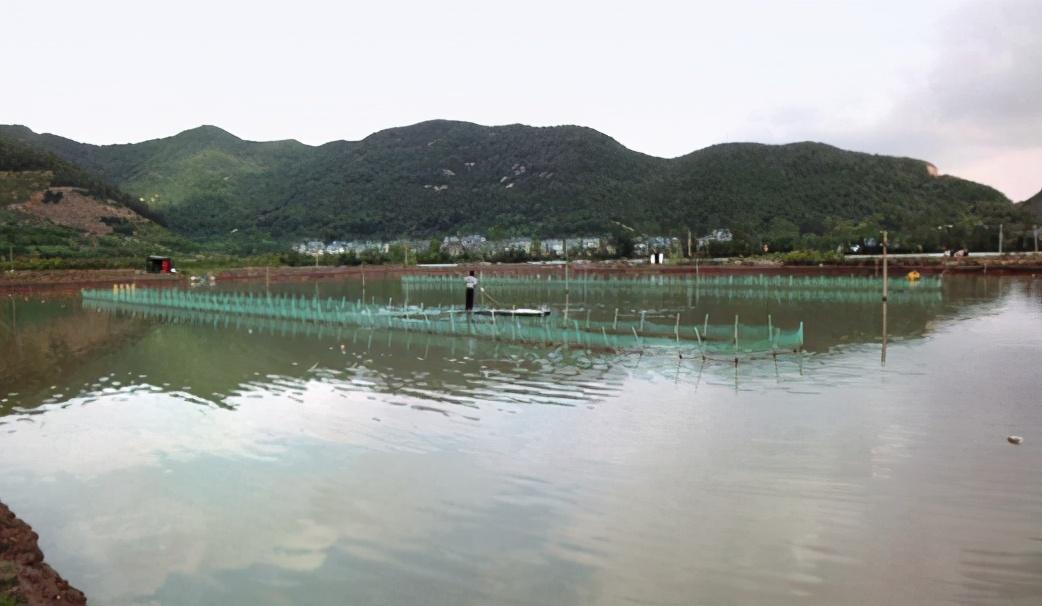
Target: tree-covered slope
point(52, 207)
point(443, 177)
point(1033, 205)
point(17, 156)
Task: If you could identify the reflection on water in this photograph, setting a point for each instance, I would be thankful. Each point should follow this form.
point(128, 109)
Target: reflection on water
point(186, 463)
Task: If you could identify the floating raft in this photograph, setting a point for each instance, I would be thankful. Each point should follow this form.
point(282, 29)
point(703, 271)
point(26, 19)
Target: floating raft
point(731, 339)
point(509, 313)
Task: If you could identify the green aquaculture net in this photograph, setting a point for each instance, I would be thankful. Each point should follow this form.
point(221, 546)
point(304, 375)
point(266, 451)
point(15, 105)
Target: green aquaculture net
point(731, 338)
point(838, 289)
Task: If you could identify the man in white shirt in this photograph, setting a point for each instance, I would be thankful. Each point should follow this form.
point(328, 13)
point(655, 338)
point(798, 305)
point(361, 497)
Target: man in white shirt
point(472, 284)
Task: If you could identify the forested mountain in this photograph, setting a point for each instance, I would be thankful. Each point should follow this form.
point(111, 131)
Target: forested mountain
point(442, 177)
point(53, 207)
point(1034, 206)
point(17, 156)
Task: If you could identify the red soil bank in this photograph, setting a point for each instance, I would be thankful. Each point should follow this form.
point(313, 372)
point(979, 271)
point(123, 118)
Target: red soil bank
point(24, 577)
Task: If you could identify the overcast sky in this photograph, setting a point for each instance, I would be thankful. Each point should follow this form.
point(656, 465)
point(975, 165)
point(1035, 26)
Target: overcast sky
point(955, 82)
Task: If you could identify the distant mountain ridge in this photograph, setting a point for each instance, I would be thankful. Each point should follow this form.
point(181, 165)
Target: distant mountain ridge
point(1033, 205)
point(444, 177)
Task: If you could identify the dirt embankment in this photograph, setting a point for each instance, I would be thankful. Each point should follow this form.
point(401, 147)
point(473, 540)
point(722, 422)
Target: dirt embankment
point(71, 280)
point(24, 577)
point(864, 266)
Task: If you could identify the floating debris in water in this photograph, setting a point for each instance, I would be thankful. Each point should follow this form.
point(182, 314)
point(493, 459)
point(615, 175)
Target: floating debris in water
point(1015, 439)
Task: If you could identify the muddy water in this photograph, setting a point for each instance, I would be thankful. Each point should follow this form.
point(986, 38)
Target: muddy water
point(175, 462)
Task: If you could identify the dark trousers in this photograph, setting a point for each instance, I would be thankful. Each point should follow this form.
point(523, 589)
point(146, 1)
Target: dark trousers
point(470, 299)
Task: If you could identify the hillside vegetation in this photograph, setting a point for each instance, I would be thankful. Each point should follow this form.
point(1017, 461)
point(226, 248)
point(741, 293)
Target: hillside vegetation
point(442, 177)
point(1033, 205)
point(52, 209)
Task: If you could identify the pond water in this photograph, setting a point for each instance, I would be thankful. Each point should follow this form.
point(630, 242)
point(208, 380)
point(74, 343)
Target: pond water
point(179, 462)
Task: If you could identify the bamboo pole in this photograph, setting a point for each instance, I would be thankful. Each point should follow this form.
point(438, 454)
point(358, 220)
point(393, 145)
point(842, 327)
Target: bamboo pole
point(882, 354)
point(886, 279)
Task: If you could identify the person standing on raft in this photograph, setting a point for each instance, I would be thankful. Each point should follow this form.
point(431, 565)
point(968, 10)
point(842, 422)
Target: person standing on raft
point(472, 284)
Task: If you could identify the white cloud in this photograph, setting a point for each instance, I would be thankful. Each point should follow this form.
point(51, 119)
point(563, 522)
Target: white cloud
point(976, 111)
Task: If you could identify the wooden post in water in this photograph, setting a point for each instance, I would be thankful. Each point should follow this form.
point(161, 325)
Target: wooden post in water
point(886, 278)
point(1034, 232)
point(615, 322)
point(882, 355)
point(701, 346)
point(1000, 238)
point(676, 329)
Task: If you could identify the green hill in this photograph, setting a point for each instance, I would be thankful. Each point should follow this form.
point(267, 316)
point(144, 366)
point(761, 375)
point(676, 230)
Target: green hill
point(443, 177)
point(52, 208)
point(1033, 205)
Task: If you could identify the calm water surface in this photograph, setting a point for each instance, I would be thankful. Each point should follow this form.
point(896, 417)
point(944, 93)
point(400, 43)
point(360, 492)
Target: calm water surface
point(176, 462)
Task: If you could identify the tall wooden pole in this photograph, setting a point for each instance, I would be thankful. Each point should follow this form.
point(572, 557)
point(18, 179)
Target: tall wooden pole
point(886, 280)
point(1000, 238)
point(567, 293)
point(882, 355)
